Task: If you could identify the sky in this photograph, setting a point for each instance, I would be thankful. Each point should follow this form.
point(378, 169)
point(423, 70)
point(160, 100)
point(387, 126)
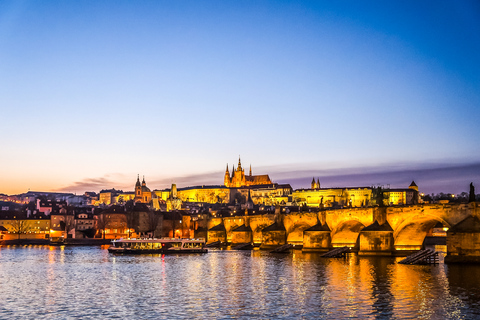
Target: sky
point(356, 93)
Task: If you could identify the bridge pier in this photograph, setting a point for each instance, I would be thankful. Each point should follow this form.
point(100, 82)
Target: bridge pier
point(376, 240)
point(463, 242)
point(317, 238)
point(274, 236)
point(242, 234)
point(217, 233)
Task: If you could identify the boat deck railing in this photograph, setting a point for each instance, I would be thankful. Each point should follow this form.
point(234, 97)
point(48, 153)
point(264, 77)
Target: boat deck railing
point(163, 238)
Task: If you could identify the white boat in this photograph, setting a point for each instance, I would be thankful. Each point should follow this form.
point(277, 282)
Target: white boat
point(162, 245)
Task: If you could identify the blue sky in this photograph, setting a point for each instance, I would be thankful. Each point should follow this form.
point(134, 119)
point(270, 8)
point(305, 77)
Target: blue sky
point(102, 90)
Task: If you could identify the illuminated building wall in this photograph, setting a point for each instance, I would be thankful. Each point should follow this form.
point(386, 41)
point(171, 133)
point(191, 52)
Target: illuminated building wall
point(403, 196)
point(112, 223)
point(208, 194)
point(25, 229)
point(355, 197)
point(271, 194)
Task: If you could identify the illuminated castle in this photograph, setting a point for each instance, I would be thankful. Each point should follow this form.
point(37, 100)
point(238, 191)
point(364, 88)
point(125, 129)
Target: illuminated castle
point(239, 179)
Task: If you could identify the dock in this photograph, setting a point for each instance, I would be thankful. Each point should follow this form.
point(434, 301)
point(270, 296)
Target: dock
point(336, 253)
point(215, 244)
point(283, 249)
point(243, 246)
point(427, 256)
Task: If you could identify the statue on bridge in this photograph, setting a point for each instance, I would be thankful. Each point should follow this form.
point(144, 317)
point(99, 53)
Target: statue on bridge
point(471, 197)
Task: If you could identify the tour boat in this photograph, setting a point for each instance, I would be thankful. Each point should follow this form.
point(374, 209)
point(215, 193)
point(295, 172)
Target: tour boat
point(163, 246)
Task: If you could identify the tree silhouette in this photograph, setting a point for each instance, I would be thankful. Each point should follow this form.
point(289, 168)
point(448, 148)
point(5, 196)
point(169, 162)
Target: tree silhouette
point(20, 226)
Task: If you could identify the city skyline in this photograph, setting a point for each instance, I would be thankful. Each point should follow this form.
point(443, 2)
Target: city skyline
point(431, 178)
point(94, 93)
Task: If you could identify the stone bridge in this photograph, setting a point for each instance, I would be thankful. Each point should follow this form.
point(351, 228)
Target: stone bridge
point(373, 230)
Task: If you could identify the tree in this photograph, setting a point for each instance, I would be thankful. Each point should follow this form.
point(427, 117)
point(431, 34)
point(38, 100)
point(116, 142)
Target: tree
point(131, 222)
point(68, 225)
point(20, 226)
point(101, 222)
point(152, 220)
point(88, 233)
point(121, 200)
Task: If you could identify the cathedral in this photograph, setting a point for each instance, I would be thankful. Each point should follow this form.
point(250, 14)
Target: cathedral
point(239, 179)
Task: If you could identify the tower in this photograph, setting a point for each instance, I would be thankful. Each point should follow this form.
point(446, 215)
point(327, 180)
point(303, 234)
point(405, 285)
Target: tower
point(413, 186)
point(138, 190)
point(249, 201)
point(226, 180)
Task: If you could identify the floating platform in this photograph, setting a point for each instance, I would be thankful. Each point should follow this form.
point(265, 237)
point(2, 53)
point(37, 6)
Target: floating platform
point(243, 246)
point(337, 253)
point(421, 257)
point(283, 249)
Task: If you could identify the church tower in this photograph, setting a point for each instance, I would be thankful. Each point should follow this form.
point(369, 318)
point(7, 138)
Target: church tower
point(239, 176)
point(138, 190)
point(413, 186)
point(226, 180)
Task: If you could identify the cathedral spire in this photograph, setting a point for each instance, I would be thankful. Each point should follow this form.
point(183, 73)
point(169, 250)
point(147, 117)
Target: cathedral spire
point(226, 171)
point(250, 169)
point(143, 182)
point(239, 164)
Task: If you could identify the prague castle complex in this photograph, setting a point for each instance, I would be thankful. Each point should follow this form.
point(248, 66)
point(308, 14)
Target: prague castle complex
point(239, 179)
point(238, 187)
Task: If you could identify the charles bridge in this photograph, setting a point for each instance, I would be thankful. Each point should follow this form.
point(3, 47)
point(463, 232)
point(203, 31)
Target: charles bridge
point(372, 230)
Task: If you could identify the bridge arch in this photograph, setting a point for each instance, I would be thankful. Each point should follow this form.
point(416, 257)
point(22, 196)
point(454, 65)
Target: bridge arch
point(346, 233)
point(411, 233)
point(295, 231)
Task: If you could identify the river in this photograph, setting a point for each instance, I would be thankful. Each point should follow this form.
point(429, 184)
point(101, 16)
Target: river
point(41, 282)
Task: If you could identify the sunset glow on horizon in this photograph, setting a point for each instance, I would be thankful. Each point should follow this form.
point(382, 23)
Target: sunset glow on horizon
point(96, 92)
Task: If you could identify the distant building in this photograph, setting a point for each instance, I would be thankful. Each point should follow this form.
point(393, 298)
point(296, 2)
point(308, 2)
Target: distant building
point(108, 196)
point(84, 222)
point(403, 196)
point(111, 223)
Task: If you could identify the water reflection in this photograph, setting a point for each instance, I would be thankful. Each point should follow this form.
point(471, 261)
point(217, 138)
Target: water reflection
point(88, 282)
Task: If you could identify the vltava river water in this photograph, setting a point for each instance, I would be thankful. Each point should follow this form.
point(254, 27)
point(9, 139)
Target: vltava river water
point(41, 282)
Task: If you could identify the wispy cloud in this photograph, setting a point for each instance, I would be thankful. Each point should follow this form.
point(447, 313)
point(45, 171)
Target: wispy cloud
point(108, 181)
point(453, 178)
